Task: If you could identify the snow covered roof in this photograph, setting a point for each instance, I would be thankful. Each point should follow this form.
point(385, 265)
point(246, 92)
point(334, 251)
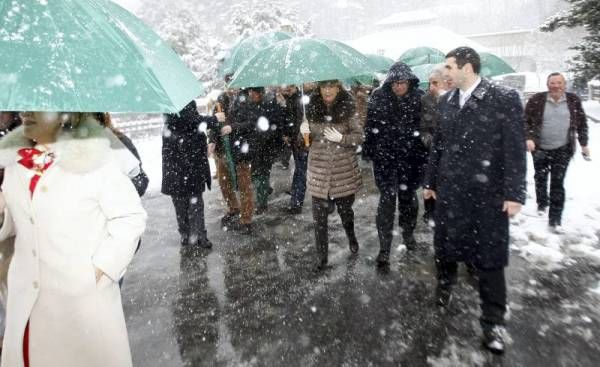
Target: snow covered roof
point(393, 42)
point(503, 33)
point(408, 17)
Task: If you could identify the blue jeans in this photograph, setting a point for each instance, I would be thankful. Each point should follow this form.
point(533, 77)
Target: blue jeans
point(299, 179)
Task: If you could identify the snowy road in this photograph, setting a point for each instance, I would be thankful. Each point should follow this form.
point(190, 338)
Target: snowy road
point(253, 301)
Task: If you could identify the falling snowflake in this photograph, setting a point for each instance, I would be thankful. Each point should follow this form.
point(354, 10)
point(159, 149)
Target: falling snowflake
point(263, 123)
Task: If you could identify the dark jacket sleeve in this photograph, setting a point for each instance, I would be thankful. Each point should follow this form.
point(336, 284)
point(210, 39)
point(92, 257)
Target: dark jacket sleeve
point(141, 180)
point(534, 110)
point(435, 155)
point(514, 149)
point(374, 116)
point(582, 126)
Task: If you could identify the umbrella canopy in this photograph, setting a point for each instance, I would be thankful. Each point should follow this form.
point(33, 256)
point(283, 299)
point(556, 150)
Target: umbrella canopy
point(300, 60)
point(421, 56)
point(422, 72)
point(382, 63)
point(86, 56)
point(492, 65)
point(247, 48)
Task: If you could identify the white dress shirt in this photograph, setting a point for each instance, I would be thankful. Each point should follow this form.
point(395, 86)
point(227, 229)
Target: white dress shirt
point(464, 96)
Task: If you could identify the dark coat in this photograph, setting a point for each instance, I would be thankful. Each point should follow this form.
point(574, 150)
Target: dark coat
point(184, 152)
point(292, 118)
point(141, 180)
point(429, 118)
point(224, 101)
point(392, 128)
point(477, 162)
point(250, 141)
point(534, 118)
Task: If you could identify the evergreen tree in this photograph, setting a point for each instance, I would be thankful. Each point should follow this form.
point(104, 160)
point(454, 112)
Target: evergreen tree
point(586, 14)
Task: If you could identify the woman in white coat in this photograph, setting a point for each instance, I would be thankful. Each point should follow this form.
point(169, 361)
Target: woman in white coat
point(77, 220)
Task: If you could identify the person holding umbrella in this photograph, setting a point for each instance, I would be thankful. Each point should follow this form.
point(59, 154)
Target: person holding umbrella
point(333, 171)
point(64, 302)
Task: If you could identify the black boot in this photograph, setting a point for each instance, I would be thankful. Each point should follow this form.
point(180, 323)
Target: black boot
point(409, 240)
point(383, 259)
point(443, 295)
point(230, 219)
point(322, 256)
point(352, 241)
point(204, 242)
point(493, 338)
point(385, 244)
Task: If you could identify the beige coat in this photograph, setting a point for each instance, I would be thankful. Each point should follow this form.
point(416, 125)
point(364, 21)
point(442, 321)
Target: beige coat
point(333, 167)
point(85, 213)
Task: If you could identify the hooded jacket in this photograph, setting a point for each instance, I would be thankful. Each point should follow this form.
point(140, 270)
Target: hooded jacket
point(392, 126)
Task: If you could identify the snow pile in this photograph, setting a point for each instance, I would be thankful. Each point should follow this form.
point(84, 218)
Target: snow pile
point(530, 234)
point(592, 109)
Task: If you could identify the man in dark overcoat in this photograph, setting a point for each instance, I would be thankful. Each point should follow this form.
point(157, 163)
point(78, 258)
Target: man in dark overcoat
point(477, 175)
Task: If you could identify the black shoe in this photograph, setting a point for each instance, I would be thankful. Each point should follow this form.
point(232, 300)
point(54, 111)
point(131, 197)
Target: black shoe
point(261, 209)
point(321, 265)
point(443, 295)
point(184, 241)
point(229, 219)
point(353, 246)
point(205, 243)
point(493, 338)
point(383, 259)
point(541, 209)
point(269, 190)
point(294, 210)
point(246, 228)
point(409, 241)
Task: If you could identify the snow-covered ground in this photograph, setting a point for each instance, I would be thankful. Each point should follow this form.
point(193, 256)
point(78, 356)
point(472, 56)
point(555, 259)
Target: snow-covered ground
point(581, 217)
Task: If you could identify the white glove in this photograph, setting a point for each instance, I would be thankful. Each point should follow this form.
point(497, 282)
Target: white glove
point(333, 135)
point(220, 116)
point(304, 127)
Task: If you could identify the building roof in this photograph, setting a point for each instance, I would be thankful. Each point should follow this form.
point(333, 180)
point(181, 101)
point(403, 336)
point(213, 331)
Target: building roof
point(394, 42)
point(408, 17)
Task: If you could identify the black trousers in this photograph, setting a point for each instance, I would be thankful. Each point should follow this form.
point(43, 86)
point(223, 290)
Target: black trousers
point(190, 218)
point(492, 290)
point(320, 208)
point(553, 163)
point(408, 210)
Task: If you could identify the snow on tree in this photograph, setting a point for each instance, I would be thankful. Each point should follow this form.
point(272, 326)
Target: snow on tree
point(201, 34)
point(586, 14)
point(249, 17)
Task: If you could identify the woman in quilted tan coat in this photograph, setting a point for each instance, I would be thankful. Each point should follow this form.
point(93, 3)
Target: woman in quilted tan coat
point(333, 173)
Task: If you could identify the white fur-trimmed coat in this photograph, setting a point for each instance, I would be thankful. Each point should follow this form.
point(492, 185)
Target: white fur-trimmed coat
point(85, 213)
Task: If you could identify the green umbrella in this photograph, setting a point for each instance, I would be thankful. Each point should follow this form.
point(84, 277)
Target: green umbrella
point(87, 55)
point(382, 63)
point(422, 72)
point(422, 55)
point(300, 60)
point(492, 65)
point(247, 48)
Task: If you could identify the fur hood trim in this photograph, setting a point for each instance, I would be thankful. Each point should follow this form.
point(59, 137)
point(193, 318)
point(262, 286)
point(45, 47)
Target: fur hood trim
point(79, 150)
